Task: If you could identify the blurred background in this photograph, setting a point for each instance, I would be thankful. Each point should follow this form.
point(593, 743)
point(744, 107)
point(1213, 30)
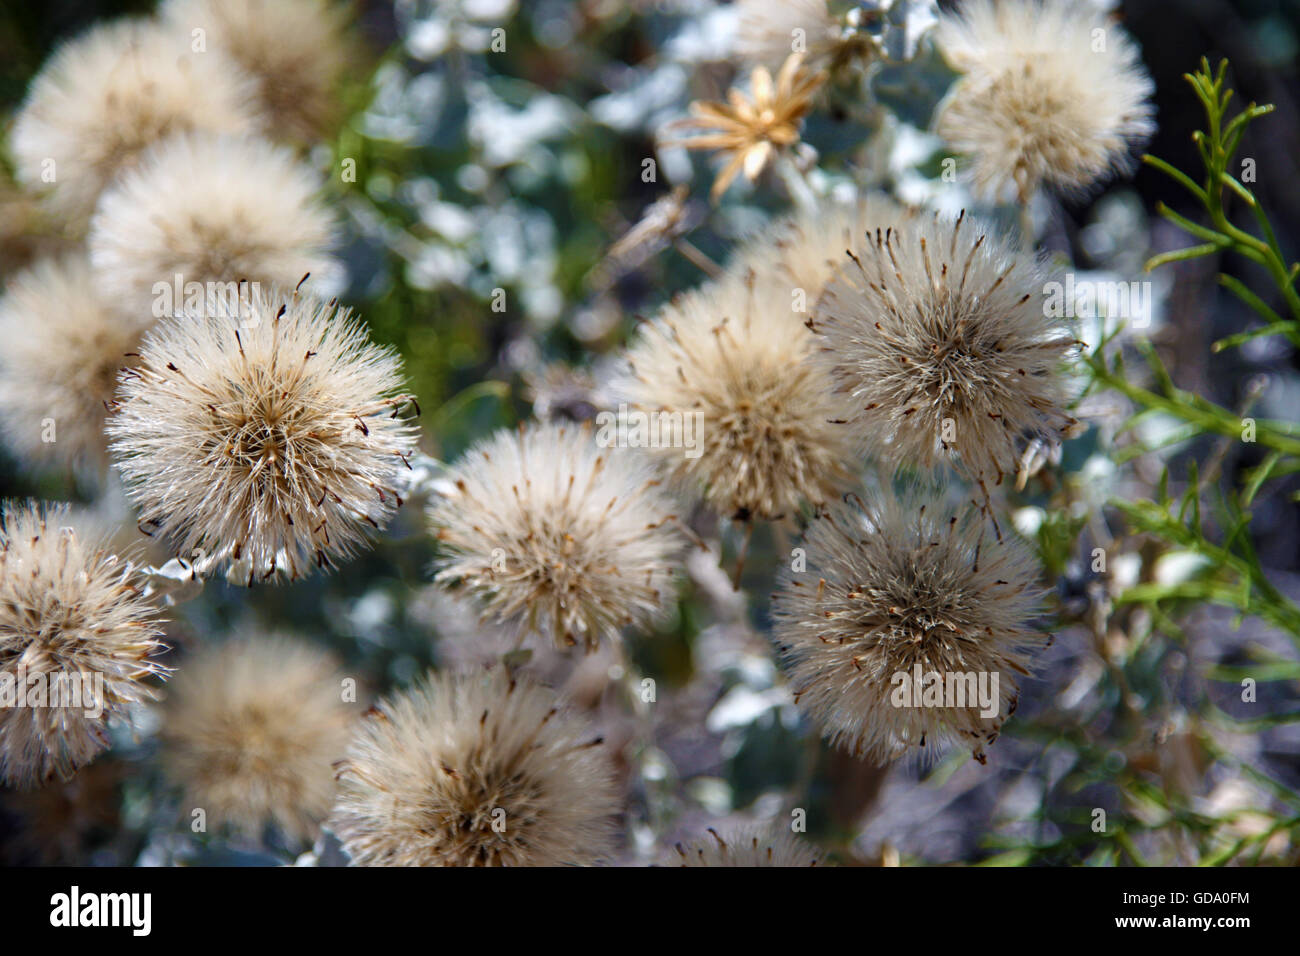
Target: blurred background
point(491, 186)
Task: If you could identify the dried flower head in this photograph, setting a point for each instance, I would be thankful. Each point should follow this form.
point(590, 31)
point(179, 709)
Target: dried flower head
point(476, 769)
point(734, 358)
point(807, 249)
point(939, 338)
point(63, 349)
point(251, 731)
point(1052, 93)
point(558, 533)
point(209, 209)
point(294, 49)
point(109, 93)
point(768, 31)
point(896, 591)
point(77, 637)
point(751, 129)
point(266, 443)
point(775, 847)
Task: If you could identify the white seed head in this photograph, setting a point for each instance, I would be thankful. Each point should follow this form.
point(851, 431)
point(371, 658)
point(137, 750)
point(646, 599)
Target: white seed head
point(294, 49)
point(941, 345)
point(106, 95)
point(736, 354)
point(210, 209)
point(476, 769)
point(266, 443)
point(768, 31)
point(557, 535)
point(804, 251)
point(251, 730)
point(1051, 93)
point(58, 369)
point(69, 612)
point(901, 582)
point(774, 847)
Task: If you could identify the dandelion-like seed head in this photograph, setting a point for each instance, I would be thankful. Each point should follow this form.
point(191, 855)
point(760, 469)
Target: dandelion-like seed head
point(106, 95)
point(554, 533)
point(1052, 93)
point(251, 732)
point(267, 443)
point(777, 847)
point(901, 583)
point(476, 769)
point(63, 349)
point(807, 249)
point(768, 31)
point(735, 357)
point(70, 613)
point(940, 341)
point(218, 210)
point(293, 49)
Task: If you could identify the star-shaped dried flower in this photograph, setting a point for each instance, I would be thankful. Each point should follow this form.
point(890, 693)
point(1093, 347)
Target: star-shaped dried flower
point(751, 129)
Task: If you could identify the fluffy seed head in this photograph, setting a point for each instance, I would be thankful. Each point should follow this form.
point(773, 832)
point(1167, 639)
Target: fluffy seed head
point(251, 730)
point(211, 209)
point(806, 250)
point(777, 847)
point(265, 444)
point(734, 356)
point(293, 49)
point(767, 31)
point(559, 535)
point(69, 608)
point(889, 586)
point(939, 340)
point(476, 769)
point(1052, 93)
point(106, 95)
point(63, 349)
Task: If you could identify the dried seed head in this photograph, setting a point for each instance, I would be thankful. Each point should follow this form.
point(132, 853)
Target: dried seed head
point(775, 847)
point(901, 586)
point(940, 342)
point(267, 444)
point(475, 769)
point(748, 131)
point(63, 349)
point(805, 251)
point(558, 535)
point(251, 731)
point(213, 210)
point(1052, 93)
point(734, 357)
point(766, 31)
point(76, 630)
point(294, 49)
point(106, 95)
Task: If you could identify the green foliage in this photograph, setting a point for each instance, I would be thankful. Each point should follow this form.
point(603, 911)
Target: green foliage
point(1217, 145)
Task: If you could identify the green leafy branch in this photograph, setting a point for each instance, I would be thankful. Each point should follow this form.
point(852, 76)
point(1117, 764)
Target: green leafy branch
point(1217, 145)
point(1281, 438)
point(1235, 578)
